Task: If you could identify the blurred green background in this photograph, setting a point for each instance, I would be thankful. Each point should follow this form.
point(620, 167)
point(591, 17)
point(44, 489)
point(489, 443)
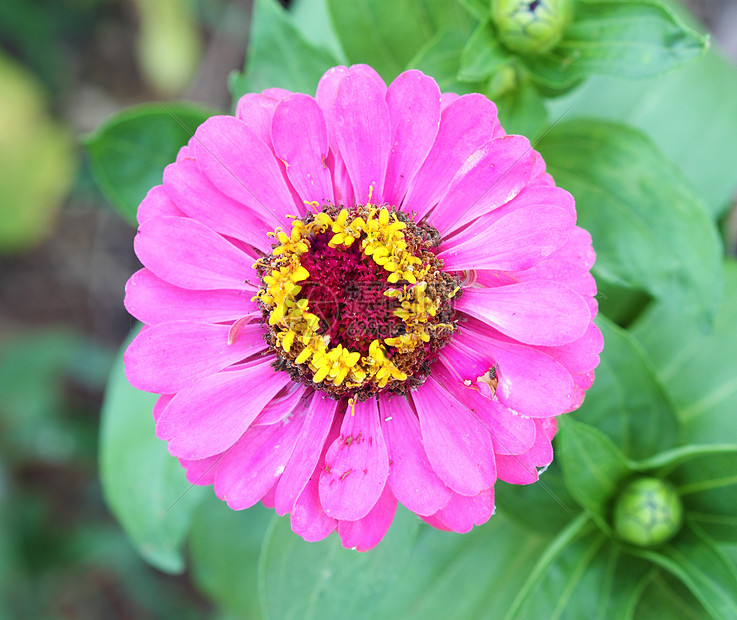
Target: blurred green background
point(65, 65)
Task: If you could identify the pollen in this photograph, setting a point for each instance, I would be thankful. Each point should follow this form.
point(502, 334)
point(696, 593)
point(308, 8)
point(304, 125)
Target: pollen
point(356, 300)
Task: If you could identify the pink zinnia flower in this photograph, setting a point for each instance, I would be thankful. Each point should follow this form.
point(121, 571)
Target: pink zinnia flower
point(370, 296)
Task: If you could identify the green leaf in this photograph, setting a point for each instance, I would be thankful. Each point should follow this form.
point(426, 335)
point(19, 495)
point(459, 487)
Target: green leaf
point(546, 506)
point(144, 486)
point(301, 580)
point(313, 20)
point(440, 58)
point(129, 151)
point(224, 547)
point(587, 577)
point(522, 111)
point(593, 467)
point(279, 56)
point(387, 34)
point(696, 560)
point(627, 400)
point(692, 99)
point(624, 39)
point(651, 232)
point(472, 576)
point(699, 369)
point(665, 597)
point(707, 484)
point(483, 55)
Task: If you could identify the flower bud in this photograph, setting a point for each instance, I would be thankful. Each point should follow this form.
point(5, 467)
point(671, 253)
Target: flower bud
point(531, 26)
point(648, 512)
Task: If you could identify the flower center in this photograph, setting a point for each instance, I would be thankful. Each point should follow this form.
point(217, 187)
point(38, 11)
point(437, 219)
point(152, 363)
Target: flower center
point(356, 301)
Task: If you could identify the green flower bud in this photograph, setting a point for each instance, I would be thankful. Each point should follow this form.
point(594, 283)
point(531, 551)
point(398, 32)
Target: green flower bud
point(531, 26)
point(648, 512)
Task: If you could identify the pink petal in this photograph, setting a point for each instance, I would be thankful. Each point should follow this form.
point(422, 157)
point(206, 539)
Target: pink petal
point(570, 264)
point(168, 356)
point(300, 138)
point(308, 518)
point(582, 355)
point(511, 433)
point(251, 467)
point(465, 125)
point(161, 403)
point(257, 109)
point(327, 91)
point(531, 382)
point(411, 477)
point(267, 501)
point(436, 523)
point(457, 445)
point(356, 465)
point(209, 416)
point(186, 152)
point(515, 241)
point(539, 312)
point(364, 534)
point(522, 468)
point(462, 513)
point(413, 99)
point(201, 472)
point(288, 402)
point(157, 202)
point(202, 201)
point(187, 254)
point(152, 300)
point(304, 459)
point(489, 178)
point(446, 99)
point(243, 167)
point(363, 135)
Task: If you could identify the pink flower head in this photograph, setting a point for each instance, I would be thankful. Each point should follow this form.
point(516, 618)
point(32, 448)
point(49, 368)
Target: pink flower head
point(367, 297)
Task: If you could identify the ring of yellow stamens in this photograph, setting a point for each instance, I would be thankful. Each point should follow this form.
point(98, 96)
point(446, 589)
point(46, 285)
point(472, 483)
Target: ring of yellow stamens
point(296, 331)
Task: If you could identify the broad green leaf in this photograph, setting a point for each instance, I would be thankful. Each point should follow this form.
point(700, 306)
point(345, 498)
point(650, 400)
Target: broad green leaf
point(665, 597)
point(621, 304)
point(224, 547)
point(144, 486)
point(625, 39)
point(627, 400)
point(699, 369)
point(651, 232)
point(590, 577)
point(440, 58)
point(313, 20)
point(546, 506)
point(478, 8)
point(483, 55)
point(691, 99)
point(593, 467)
point(522, 111)
point(278, 55)
point(129, 151)
point(707, 484)
point(472, 576)
point(387, 34)
point(301, 580)
point(696, 560)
